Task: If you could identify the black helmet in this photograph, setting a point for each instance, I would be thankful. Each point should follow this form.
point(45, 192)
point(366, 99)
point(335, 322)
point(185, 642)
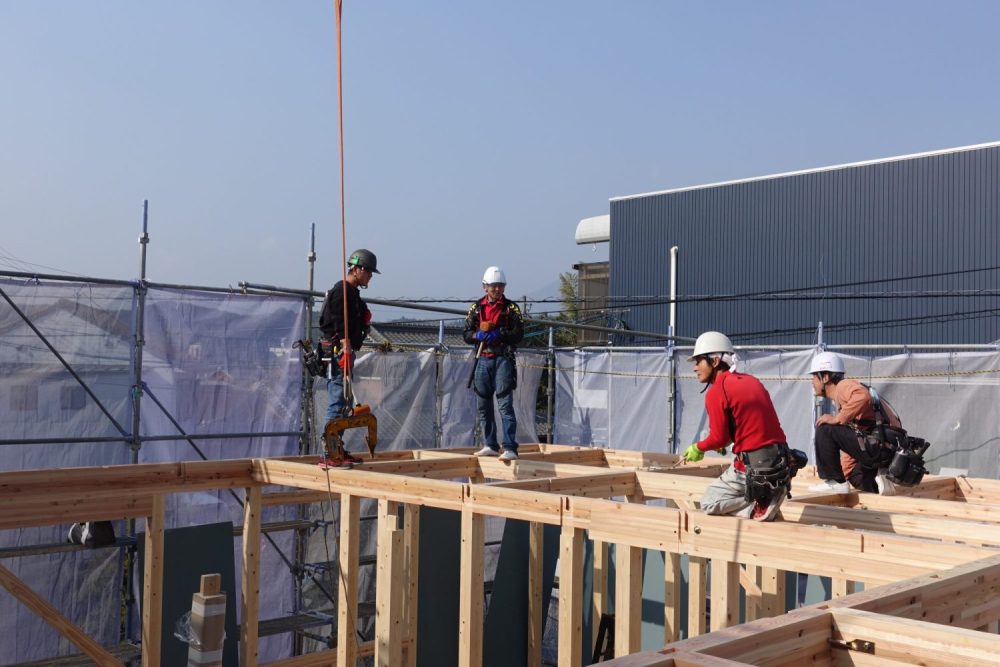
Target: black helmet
point(365, 259)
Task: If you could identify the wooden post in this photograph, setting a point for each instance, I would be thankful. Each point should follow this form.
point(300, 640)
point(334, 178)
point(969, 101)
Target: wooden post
point(696, 596)
point(671, 597)
point(599, 602)
point(725, 594)
point(772, 588)
point(841, 587)
point(208, 623)
point(535, 592)
point(571, 597)
point(250, 605)
point(347, 587)
point(411, 556)
point(389, 585)
point(470, 611)
point(152, 601)
point(628, 599)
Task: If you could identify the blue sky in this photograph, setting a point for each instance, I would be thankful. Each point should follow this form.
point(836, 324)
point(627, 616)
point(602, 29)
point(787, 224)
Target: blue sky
point(476, 133)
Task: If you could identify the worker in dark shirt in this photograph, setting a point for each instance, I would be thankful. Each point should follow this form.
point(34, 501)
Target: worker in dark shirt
point(342, 343)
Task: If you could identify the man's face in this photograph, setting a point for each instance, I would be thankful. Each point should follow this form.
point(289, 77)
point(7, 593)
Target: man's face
point(364, 275)
point(494, 290)
point(703, 368)
point(817, 382)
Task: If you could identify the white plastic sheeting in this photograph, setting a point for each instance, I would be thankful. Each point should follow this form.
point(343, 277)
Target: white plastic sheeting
point(223, 364)
point(620, 399)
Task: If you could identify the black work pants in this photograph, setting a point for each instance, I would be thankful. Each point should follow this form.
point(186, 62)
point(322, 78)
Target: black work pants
point(831, 440)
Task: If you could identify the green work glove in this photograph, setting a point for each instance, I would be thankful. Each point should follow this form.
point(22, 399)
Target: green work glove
point(692, 453)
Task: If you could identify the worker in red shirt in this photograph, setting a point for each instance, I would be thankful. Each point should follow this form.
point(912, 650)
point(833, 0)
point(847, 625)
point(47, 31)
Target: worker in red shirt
point(740, 412)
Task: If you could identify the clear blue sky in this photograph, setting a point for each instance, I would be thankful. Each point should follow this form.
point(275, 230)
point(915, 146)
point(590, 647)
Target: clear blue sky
point(477, 133)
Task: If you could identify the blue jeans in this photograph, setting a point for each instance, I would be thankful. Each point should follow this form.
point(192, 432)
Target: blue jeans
point(496, 376)
point(335, 391)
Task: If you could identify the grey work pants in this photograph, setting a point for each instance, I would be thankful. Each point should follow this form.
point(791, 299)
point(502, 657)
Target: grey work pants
point(727, 494)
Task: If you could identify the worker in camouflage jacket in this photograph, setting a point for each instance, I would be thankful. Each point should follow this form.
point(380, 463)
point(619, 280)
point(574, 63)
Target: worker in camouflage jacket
point(495, 326)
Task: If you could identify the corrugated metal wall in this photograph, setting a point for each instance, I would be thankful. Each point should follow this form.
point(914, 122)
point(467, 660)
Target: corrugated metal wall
point(824, 229)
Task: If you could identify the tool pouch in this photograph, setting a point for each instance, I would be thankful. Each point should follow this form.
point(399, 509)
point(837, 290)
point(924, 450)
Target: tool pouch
point(767, 471)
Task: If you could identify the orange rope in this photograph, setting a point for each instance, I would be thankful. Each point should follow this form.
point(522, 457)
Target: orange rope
point(338, 10)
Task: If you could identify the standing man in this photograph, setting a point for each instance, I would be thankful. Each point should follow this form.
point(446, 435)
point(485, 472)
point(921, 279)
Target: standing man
point(740, 411)
point(495, 326)
point(841, 460)
point(336, 336)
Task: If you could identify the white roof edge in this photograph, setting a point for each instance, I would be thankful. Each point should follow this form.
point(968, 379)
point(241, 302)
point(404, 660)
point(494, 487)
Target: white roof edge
point(814, 170)
point(594, 230)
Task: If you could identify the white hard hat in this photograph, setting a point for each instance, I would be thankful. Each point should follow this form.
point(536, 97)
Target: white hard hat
point(826, 362)
point(494, 274)
point(711, 342)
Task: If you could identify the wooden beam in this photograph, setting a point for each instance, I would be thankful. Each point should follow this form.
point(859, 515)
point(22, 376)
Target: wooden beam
point(628, 599)
point(410, 490)
point(571, 597)
point(53, 617)
point(514, 504)
point(672, 580)
point(917, 642)
point(411, 558)
point(598, 484)
point(152, 601)
point(725, 610)
point(697, 590)
point(628, 593)
point(470, 615)
point(250, 602)
point(390, 583)
point(347, 581)
point(536, 539)
point(599, 596)
point(772, 588)
point(633, 524)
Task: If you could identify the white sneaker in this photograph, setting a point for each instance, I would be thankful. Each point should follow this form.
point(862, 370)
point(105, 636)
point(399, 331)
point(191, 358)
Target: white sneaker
point(830, 486)
point(488, 451)
point(508, 455)
point(885, 486)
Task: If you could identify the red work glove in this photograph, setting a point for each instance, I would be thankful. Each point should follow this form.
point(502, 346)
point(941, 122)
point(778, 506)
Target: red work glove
point(343, 361)
point(368, 317)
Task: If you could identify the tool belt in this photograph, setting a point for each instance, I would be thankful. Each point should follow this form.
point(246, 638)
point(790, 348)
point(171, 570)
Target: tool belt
point(879, 444)
point(768, 470)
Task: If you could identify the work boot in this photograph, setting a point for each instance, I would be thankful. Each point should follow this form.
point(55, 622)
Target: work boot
point(830, 486)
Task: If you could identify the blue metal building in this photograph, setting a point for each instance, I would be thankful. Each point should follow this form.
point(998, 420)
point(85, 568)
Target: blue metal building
point(898, 250)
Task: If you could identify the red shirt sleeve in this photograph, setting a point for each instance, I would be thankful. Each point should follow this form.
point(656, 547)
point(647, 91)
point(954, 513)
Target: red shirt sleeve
point(718, 420)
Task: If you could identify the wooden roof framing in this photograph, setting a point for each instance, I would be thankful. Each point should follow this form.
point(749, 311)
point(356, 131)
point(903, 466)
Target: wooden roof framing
point(930, 560)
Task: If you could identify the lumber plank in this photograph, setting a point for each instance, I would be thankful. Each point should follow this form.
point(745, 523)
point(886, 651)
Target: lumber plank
point(152, 602)
point(535, 592)
point(411, 558)
point(697, 590)
point(390, 584)
point(514, 503)
point(633, 524)
point(470, 614)
point(250, 601)
point(570, 597)
point(628, 599)
point(917, 642)
point(725, 594)
point(672, 580)
point(347, 581)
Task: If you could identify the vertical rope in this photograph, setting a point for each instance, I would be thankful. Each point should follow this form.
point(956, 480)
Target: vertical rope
point(338, 10)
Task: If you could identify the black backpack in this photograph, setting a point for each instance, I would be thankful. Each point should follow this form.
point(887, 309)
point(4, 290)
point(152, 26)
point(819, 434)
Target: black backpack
point(92, 534)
